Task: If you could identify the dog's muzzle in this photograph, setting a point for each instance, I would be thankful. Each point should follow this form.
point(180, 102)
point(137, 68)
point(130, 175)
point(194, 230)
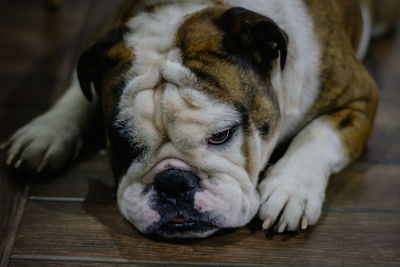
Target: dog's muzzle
point(173, 199)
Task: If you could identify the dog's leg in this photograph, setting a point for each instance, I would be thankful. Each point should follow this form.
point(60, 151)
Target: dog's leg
point(296, 184)
point(294, 188)
point(52, 139)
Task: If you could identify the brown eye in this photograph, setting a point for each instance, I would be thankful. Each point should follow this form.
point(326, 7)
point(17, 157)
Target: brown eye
point(219, 138)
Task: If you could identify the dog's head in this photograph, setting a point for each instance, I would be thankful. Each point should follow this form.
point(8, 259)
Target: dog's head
point(190, 122)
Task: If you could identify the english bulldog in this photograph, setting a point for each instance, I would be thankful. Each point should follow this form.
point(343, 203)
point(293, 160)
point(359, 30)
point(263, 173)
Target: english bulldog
point(196, 95)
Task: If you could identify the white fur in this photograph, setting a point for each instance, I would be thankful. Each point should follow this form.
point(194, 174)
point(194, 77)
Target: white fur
point(180, 141)
point(153, 34)
point(142, 215)
point(174, 120)
point(296, 183)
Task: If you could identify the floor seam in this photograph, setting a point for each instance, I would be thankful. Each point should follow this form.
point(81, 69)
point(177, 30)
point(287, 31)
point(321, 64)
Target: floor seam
point(12, 236)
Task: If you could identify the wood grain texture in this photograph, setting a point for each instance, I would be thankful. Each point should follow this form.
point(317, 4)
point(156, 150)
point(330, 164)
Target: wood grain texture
point(13, 193)
point(97, 230)
point(72, 262)
point(90, 178)
point(365, 186)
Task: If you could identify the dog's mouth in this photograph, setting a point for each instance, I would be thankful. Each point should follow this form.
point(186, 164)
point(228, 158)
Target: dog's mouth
point(185, 226)
point(182, 224)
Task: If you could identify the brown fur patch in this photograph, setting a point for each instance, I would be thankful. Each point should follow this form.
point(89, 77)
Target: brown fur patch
point(201, 44)
point(224, 78)
point(348, 96)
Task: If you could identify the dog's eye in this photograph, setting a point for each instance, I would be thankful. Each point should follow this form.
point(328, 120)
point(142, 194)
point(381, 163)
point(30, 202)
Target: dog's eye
point(219, 138)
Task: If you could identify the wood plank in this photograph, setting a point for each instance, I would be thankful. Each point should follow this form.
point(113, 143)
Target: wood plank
point(13, 193)
point(73, 261)
point(365, 186)
point(383, 146)
point(98, 231)
point(90, 178)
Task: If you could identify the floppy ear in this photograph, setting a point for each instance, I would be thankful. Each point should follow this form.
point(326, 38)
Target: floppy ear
point(254, 38)
point(94, 62)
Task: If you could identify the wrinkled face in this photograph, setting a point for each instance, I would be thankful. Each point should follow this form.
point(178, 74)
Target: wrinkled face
point(188, 128)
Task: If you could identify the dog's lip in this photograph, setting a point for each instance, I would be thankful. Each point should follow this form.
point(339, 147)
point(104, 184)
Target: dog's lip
point(181, 224)
point(180, 219)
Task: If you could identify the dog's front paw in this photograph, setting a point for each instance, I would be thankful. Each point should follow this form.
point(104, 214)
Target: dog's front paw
point(47, 142)
point(295, 198)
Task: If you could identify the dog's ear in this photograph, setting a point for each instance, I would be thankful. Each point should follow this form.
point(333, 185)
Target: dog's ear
point(95, 61)
point(253, 38)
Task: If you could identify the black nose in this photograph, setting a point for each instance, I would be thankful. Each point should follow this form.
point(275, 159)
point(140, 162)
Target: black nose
point(175, 183)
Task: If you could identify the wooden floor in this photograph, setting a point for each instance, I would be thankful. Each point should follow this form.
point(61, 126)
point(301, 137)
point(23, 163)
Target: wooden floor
point(72, 219)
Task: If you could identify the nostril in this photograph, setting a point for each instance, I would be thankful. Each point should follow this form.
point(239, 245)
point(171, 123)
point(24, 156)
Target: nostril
point(175, 183)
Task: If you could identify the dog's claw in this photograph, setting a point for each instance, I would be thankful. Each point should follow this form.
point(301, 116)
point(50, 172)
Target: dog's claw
point(10, 159)
point(18, 164)
point(267, 223)
point(304, 223)
point(282, 227)
point(39, 146)
point(41, 167)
